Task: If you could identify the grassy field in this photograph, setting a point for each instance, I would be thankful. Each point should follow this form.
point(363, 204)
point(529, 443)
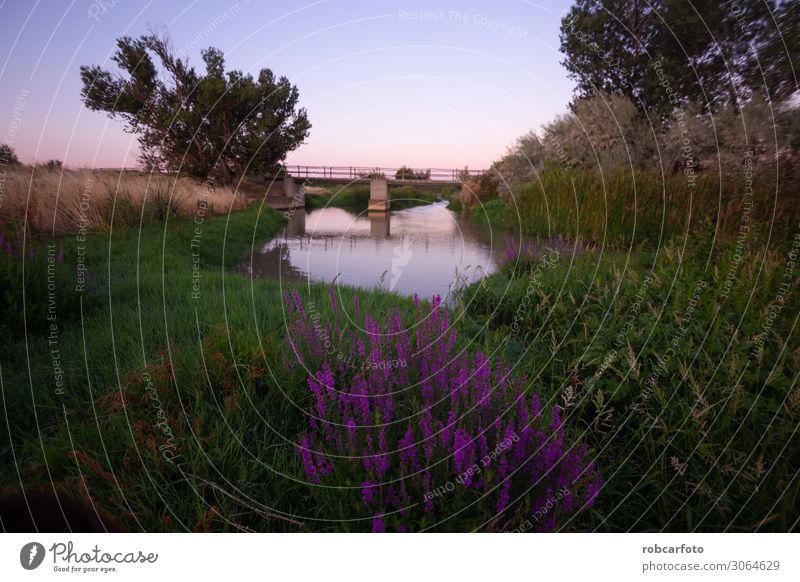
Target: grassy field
point(663, 378)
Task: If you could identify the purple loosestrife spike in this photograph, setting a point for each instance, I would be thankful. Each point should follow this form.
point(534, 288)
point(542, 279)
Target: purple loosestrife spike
point(350, 425)
point(426, 424)
point(316, 389)
point(381, 463)
point(377, 524)
point(463, 445)
point(522, 410)
point(592, 491)
point(408, 451)
point(536, 406)
point(299, 304)
point(504, 492)
point(427, 481)
point(369, 464)
point(324, 465)
point(368, 490)
point(308, 462)
point(448, 428)
point(333, 299)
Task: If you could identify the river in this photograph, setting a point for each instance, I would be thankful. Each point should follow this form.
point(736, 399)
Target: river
point(428, 250)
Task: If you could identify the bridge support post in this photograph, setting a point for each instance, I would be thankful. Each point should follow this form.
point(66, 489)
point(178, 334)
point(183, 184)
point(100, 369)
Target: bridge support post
point(294, 193)
point(290, 189)
point(379, 197)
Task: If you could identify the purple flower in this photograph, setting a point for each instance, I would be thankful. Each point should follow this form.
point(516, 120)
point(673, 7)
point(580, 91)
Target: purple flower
point(333, 298)
point(592, 491)
point(448, 397)
point(368, 491)
point(308, 462)
point(377, 524)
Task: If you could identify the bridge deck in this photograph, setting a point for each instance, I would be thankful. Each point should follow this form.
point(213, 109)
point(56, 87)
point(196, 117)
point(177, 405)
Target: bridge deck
point(391, 181)
point(396, 176)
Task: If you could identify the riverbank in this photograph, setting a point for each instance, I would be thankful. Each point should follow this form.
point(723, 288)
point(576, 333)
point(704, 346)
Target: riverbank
point(181, 405)
point(673, 343)
point(91, 395)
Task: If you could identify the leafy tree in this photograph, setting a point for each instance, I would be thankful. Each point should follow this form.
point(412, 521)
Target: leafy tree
point(406, 173)
point(519, 166)
point(779, 47)
point(711, 51)
point(54, 165)
point(217, 125)
point(8, 157)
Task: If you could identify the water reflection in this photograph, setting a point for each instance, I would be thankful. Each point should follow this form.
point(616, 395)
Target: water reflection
point(424, 250)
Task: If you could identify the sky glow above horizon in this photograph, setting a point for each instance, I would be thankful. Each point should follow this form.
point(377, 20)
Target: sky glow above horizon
point(444, 84)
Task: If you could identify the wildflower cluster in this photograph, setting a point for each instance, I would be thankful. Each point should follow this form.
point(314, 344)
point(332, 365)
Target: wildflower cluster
point(452, 440)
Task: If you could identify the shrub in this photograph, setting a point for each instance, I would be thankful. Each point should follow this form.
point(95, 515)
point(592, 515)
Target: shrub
point(413, 433)
point(8, 157)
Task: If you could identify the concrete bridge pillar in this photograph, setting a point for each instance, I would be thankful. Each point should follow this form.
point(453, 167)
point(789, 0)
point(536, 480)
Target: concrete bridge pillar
point(290, 189)
point(379, 197)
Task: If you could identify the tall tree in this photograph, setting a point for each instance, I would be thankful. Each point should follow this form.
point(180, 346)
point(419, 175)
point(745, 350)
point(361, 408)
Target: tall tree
point(706, 50)
point(778, 49)
point(217, 125)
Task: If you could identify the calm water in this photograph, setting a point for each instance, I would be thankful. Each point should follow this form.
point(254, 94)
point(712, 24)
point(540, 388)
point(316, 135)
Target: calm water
point(426, 250)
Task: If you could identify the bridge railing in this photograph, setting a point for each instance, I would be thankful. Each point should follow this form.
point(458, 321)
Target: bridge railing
point(363, 172)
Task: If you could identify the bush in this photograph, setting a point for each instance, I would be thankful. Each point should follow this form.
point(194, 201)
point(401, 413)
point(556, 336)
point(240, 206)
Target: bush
point(8, 157)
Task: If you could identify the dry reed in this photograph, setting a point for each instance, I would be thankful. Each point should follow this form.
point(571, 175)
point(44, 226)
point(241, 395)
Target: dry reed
point(71, 200)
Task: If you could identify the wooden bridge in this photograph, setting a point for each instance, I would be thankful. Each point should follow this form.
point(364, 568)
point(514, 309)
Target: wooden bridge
point(296, 177)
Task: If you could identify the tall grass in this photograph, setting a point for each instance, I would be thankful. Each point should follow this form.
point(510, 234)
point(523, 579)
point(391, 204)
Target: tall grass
point(181, 413)
point(65, 201)
point(623, 209)
point(675, 370)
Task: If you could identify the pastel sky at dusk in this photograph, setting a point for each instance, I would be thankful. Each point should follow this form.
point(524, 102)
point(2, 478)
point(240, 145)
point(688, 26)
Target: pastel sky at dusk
point(382, 84)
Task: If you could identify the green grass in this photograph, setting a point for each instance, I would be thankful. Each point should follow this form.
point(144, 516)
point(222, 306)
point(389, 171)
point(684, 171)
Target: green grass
point(145, 319)
point(693, 426)
point(655, 362)
point(696, 425)
point(623, 210)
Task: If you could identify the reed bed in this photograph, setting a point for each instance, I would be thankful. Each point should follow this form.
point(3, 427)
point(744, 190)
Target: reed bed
point(61, 202)
point(624, 209)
